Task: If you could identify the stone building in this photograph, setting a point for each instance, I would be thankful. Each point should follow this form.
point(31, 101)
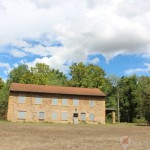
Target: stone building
point(35, 103)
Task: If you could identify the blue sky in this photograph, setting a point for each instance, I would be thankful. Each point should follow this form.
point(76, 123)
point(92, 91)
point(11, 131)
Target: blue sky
point(114, 35)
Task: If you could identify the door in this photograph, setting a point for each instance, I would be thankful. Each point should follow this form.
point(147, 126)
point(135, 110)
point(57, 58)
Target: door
point(83, 117)
point(75, 118)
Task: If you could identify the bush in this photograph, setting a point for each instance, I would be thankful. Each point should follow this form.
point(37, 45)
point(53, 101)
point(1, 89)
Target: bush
point(139, 120)
point(147, 114)
point(109, 118)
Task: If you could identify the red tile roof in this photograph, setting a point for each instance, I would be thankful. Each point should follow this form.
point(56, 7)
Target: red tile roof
point(55, 89)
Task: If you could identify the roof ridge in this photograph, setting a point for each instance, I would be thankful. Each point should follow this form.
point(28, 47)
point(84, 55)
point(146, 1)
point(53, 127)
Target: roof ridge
point(55, 86)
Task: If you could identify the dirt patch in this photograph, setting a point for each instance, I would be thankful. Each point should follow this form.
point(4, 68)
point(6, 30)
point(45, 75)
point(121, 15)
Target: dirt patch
point(46, 136)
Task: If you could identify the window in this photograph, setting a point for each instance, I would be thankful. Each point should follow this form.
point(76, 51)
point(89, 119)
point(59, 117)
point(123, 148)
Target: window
point(91, 117)
point(83, 116)
point(21, 114)
point(54, 115)
point(65, 102)
point(75, 102)
point(64, 115)
point(38, 100)
point(91, 103)
point(54, 101)
point(41, 115)
point(21, 99)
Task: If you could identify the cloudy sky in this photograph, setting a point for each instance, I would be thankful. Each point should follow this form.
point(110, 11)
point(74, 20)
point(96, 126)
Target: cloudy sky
point(114, 34)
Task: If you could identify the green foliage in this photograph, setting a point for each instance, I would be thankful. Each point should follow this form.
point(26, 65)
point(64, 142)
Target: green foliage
point(111, 91)
point(57, 78)
point(1, 83)
point(146, 99)
point(28, 78)
point(40, 74)
point(139, 120)
point(88, 76)
point(109, 118)
point(16, 74)
point(134, 96)
point(128, 98)
point(134, 92)
point(147, 114)
point(4, 92)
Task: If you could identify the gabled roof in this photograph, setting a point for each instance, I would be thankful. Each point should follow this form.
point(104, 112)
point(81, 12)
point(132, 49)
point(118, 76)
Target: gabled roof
point(16, 87)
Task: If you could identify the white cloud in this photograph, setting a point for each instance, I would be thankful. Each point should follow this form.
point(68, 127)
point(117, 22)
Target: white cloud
point(139, 70)
point(6, 66)
point(17, 53)
point(93, 61)
point(53, 62)
point(84, 27)
point(15, 65)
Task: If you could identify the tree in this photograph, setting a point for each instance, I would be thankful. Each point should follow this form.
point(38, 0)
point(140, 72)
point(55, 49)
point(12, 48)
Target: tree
point(57, 78)
point(4, 92)
point(144, 83)
point(147, 113)
point(1, 83)
point(88, 76)
point(129, 98)
point(39, 74)
point(43, 74)
point(16, 74)
point(111, 90)
point(28, 78)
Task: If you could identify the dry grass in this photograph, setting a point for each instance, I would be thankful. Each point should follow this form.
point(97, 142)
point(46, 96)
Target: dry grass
point(46, 136)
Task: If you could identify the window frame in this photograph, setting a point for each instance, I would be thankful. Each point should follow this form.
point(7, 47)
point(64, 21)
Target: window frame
point(82, 116)
point(92, 103)
point(93, 117)
point(53, 103)
point(39, 117)
point(53, 117)
point(65, 103)
point(20, 100)
point(66, 118)
point(74, 102)
point(38, 98)
point(22, 118)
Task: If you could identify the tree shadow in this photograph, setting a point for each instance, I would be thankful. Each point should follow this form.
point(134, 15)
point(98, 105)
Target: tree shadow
point(143, 124)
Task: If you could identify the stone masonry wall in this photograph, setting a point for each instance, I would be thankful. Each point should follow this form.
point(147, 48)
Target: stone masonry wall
point(32, 110)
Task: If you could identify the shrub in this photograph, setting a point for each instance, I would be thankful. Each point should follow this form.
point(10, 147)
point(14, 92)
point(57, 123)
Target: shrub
point(147, 114)
point(139, 120)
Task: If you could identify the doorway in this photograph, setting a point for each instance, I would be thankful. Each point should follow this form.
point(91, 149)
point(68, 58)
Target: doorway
point(75, 118)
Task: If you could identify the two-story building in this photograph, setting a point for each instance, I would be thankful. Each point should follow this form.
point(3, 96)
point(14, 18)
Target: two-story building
point(35, 103)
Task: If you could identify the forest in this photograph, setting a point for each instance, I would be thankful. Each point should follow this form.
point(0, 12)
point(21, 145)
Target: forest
point(132, 91)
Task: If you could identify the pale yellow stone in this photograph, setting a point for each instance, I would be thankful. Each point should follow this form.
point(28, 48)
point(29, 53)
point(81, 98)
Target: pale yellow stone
point(32, 109)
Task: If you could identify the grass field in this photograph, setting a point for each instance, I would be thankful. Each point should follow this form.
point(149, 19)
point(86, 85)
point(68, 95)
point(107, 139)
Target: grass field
point(47, 136)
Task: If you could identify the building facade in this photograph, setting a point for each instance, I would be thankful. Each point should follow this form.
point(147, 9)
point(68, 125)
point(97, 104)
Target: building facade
point(35, 103)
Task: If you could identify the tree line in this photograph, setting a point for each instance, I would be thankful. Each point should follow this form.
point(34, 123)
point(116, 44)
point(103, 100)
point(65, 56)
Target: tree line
point(134, 91)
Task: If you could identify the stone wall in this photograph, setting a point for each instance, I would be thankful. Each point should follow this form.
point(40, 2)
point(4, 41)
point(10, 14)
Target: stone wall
point(32, 110)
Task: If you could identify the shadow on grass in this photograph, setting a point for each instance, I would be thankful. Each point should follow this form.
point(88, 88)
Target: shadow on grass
point(143, 124)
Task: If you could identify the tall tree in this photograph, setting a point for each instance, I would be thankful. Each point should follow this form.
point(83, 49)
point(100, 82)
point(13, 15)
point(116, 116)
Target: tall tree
point(57, 78)
point(129, 98)
point(91, 76)
point(39, 74)
point(144, 85)
point(1, 83)
point(42, 74)
point(4, 92)
point(111, 90)
point(16, 74)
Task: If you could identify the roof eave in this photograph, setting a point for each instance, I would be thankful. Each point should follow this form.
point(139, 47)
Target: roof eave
point(57, 93)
